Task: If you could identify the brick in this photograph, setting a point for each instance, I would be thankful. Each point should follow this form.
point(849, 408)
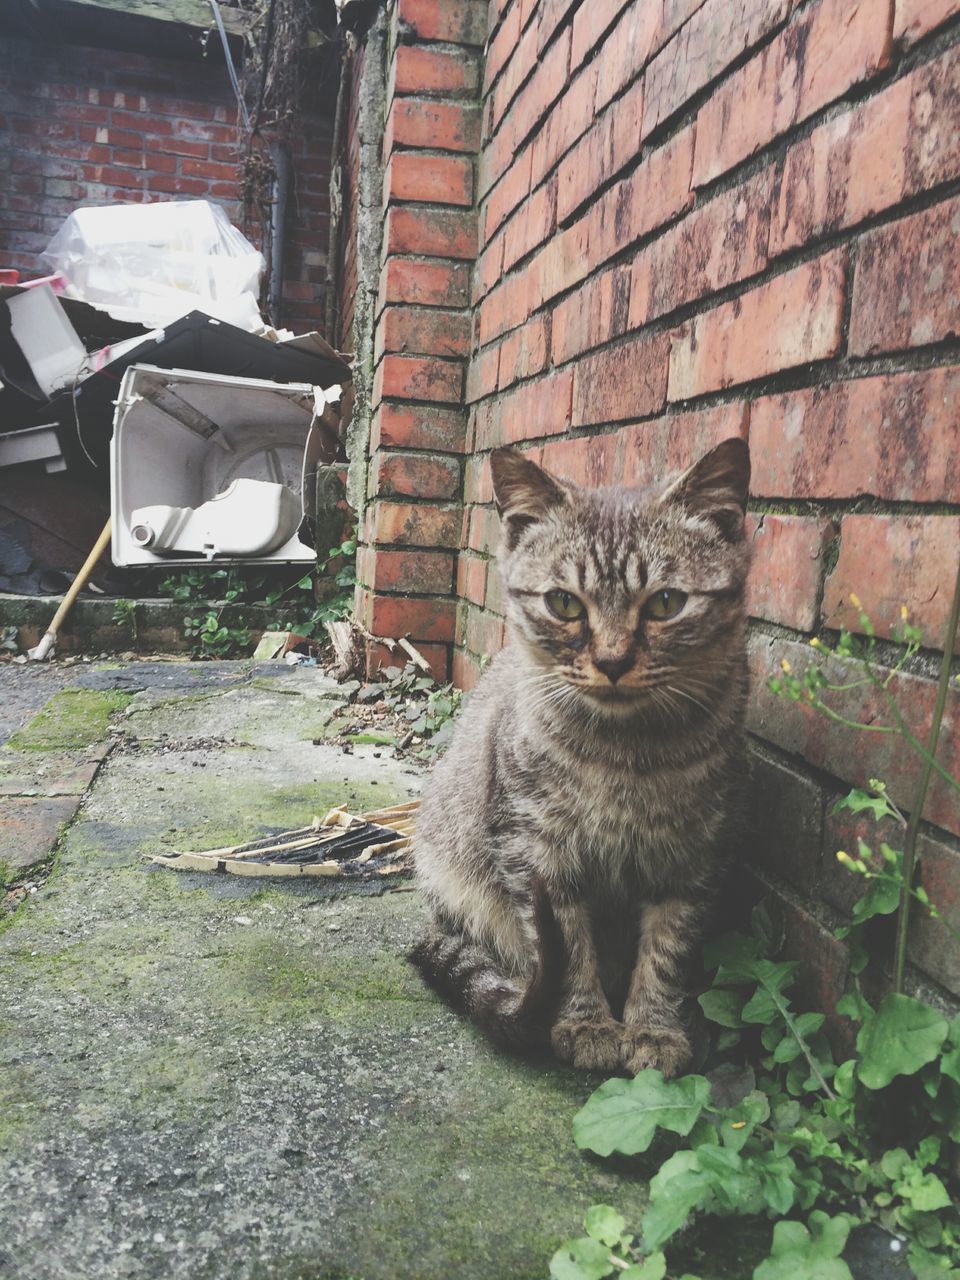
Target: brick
point(718, 244)
point(484, 530)
point(509, 193)
point(477, 482)
point(441, 126)
point(717, 33)
point(843, 830)
point(399, 475)
point(622, 382)
point(429, 179)
point(894, 561)
point(518, 69)
point(824, 966)
point(501, 47)
point(889, 436)
point(432, 284)
point(597, 312)
point(30, 827)
point(668, 445)
point(483, 633)
point(786, 828)
point(544, 86)
point(571, 115)
point(611, 143)
point(461, 23)
point(931, 946)
point(415, 524)
point(589, 24)
point(587, 460)
point(423, 331)
point(533, 223)
point(818, 58)
point(394, 616)
point(466, 670)
point(471, 578)
point(417, 378)
point(626, 50)
point(441, 233)
point(425, 70)
point(483, 373)
point(527, 412)
point(489, 269)
point(426, 572)
point(913, 19)
point(786, 578)
point(523, 353)
point(422, 427)
point(851, 754)
point(906, 286)
point(792, 320)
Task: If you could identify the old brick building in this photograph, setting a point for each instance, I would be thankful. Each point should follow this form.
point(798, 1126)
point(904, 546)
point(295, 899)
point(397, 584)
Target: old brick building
point(616, 232)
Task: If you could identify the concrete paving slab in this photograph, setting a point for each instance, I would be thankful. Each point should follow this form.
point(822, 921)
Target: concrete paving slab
point(30, 828)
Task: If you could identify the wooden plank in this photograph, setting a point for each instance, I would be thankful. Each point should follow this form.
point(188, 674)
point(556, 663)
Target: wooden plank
point(184, 13)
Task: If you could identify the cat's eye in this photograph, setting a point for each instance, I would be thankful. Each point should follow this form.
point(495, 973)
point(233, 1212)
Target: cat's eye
point(664, 604)
point(564, 605)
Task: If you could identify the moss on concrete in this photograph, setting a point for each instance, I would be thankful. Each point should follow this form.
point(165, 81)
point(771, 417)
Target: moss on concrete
point(72, 719)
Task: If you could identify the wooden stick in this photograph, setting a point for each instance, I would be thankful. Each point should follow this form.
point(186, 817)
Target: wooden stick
point(43, 649)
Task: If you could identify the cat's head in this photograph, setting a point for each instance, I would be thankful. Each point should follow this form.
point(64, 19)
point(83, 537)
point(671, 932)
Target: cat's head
point(632, 597)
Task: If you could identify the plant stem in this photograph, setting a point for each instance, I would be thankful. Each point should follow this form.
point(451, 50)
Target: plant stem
point(910, 841)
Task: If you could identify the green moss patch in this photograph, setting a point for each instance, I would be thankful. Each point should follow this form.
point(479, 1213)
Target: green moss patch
point(72, 719)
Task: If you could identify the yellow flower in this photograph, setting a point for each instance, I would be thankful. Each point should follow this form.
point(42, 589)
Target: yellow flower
point(785, 666)
point(815, 643)
point(855, 600)
point(903, 612)
point(843, 856)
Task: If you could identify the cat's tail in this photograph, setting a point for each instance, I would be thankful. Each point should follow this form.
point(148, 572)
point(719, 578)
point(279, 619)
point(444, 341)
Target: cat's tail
point(516, 1014)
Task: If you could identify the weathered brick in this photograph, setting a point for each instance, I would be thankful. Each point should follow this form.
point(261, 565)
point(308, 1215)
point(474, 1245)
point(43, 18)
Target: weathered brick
point(417, 69)
point(441, 233)
point(426, 572)
point(533, 224)
point(417, 378)
point(668, 445)
point(393, 616)
point(484, 529)
point(900, 142)
point(794, 319)
point(932, 946)
point(461, 23)
point(483, 373)
point(913, 19)
point(501, 47)
point(417, 475)
point(622, 382)
point(477, 482)
point(569, 117)
point(523, 353)
point(587, 460)
point(611, 143)
point(544, 86)
point(441, 126)
point(589, 24)
point(890, 562)
point(466, 670)
point(483, 633)
point(552, 13)
point(906, 286)
point(434, 284)
point(471, 578)
point(717, 33)
point(786, 828)
point(718, 244)
point(851, 754)
point(824, 52)
point(889, 436)
point(415, 524)
point(595, 313)
point(626, 50)
point(787, 573)
point(423, 331)
point(430, 179)
point(509, 193)
point(419, 428)
point(517, 70)
point(530, 411)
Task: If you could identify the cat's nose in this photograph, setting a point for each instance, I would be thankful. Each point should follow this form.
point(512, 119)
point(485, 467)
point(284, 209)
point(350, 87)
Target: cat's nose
point(614, 666)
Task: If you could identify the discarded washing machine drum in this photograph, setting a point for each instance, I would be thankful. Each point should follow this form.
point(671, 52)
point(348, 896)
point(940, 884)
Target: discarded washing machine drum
point(213, 468)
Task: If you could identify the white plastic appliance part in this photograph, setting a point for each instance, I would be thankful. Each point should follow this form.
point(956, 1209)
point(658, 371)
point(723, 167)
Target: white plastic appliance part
point(206, 467)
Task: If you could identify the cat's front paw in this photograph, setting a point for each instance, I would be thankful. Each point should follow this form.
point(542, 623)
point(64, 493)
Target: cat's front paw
point(666, 1048)
point(591, 1046)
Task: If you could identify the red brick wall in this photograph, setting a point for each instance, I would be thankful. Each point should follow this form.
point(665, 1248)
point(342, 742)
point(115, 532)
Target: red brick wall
point(90, 126)
point(685, 220)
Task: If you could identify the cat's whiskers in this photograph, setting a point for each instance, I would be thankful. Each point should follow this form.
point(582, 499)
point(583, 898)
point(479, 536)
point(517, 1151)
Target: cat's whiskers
point(690, 698)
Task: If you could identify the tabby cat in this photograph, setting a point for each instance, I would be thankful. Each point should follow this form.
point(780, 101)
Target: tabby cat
point(572, 838)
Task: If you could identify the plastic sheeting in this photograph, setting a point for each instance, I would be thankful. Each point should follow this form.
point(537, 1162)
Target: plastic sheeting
point(152, 263)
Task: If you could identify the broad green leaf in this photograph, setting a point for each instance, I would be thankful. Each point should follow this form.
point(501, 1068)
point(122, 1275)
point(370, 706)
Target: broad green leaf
point(582, 1259)
point(882, 898)
point(652, 1268)
point(902, 1036)
point(624, 1115)
point(773, 977)
point(858, 801)
point(605, 1224)
point(799, 1254)
point(722, 1007)
point(679, 1187)
point(925, 1192)
point(950, 1064)
point(734, 953)
point(730, 1084)
point(739, 1122)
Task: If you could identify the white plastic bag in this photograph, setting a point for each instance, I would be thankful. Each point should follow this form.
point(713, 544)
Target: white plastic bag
point(151, 263)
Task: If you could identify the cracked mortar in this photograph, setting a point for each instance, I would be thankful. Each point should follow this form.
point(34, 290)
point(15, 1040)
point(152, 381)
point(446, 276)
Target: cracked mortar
point(204, 1077)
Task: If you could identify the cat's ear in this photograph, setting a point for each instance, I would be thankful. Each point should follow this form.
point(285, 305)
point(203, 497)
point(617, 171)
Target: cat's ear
point(523, 492)
point(716, 487)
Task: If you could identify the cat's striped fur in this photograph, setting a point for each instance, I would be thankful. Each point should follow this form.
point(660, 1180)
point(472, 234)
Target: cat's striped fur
point(591, 791)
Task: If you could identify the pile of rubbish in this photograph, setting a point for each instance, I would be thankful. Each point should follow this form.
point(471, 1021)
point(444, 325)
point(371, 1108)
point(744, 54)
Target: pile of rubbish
point(142, 361)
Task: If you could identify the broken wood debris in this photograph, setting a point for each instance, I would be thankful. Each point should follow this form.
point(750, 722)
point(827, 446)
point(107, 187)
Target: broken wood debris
point(372, 844)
